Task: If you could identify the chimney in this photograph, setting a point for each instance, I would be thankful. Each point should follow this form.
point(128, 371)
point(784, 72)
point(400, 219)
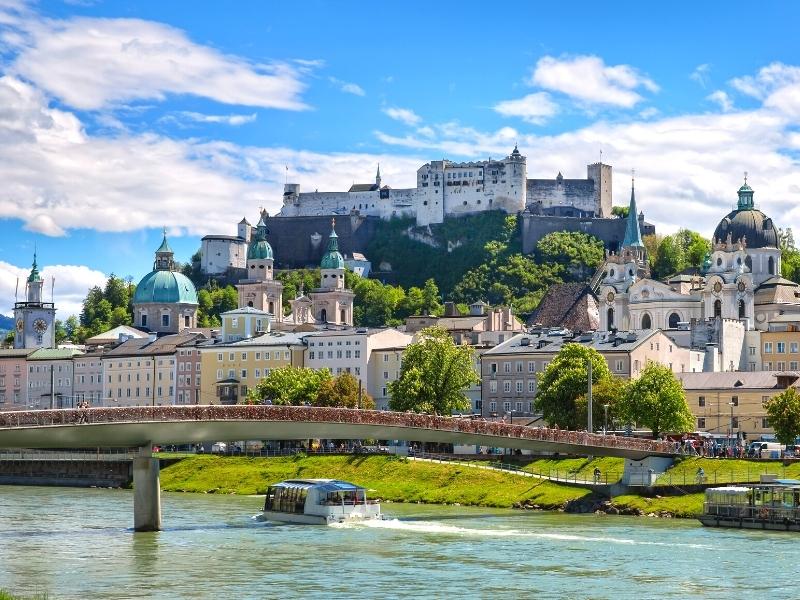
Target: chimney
point(450, 309)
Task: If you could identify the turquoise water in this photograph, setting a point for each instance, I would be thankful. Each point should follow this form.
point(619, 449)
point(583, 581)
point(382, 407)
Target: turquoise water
point(77, 543)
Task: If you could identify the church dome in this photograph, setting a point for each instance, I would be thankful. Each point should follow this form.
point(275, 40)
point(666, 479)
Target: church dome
point(259, 250)
point(754, 226)
point(748, 223)
point(332, 260)
point(165, 287)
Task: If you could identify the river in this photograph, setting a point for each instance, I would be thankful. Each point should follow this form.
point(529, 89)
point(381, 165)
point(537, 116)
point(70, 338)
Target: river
point(77, 543)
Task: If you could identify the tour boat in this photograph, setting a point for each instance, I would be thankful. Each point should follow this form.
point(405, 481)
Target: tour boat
point(319, 502)
point(774, 506)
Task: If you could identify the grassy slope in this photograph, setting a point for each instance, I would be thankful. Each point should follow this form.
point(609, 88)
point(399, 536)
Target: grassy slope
point(726, 470)
point(690, 505)
point(391, 478)
point(583, 468)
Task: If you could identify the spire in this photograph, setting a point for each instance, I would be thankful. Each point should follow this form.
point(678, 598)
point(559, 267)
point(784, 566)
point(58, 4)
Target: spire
point(378, 176)
point(633, 235)
point(34, 276)
point(745, 195)
point(164, 256)
point(164, 247)
point(333, 239)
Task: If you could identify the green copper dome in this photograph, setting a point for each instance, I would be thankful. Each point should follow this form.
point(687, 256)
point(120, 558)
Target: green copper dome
point(165, 287)
point(259, 250)
point(34, 276)
point(332, 259)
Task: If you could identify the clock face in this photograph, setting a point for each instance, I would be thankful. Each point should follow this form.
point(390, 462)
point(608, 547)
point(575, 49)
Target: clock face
point(610, 296)
point(40, 325)
point(742, 286)
point(717, 287)
point(20, 325)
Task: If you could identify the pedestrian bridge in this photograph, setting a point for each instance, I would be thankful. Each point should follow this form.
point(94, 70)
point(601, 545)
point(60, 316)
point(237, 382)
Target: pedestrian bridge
point(144, 426)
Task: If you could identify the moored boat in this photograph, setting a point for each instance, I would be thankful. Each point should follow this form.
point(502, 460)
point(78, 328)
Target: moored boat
point(319, 501)
point(772, 506)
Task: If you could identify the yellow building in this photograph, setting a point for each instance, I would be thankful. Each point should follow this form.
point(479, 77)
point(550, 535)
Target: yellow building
point(142, 372)
point(780, 346)
point(731, 404)
point(244, 323)
point(229, 370)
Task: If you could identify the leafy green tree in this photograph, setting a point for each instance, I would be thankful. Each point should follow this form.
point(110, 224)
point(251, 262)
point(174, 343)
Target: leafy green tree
point(342, 391)
point(564, 382)
point(606, 392)
point(783, 413)
point(290, 385)
point(71, 325)
point(670, 258)
point(657, 401)
point(620, 211)
point(375, 303)
point(434, 375)
point(60, 331)
point(8, 342)
point(695, 247)
point(575, 250)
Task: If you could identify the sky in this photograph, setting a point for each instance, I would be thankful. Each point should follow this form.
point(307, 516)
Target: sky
point(119, 119)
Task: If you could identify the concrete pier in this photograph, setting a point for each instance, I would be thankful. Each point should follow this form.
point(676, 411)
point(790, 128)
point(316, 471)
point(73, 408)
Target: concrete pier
point(146, 492)
point(645, 471)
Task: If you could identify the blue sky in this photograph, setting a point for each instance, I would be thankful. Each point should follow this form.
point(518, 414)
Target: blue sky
point(119, 118)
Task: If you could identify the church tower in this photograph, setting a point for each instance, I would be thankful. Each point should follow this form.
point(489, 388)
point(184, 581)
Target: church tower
point(260, 290)
point(332, 303)
point(34, 318)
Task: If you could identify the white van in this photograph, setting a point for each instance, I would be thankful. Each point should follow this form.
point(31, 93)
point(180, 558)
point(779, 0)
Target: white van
point(766, 450)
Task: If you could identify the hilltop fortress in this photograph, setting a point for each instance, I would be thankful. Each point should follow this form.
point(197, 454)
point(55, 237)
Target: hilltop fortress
point(445, 188)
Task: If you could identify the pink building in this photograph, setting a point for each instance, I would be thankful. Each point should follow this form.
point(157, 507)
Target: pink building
point(14, 379)
point(187, 359)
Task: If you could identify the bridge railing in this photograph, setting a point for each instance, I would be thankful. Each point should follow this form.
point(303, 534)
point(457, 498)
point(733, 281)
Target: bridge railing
point(316, 414)
point(104, 455)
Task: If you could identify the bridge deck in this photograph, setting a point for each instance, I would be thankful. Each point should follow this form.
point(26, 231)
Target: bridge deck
point(143, 425)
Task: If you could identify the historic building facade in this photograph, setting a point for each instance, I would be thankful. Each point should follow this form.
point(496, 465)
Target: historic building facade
point(260, 290)
point(34, 318)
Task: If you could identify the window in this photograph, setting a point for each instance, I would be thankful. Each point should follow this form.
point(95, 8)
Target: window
point(793, 347)
point(531, 367)
point(507, 406)
point(781, 348)
point(735, 400)
point(701, 423)
point(793, 365)
point(493, 368)
point(518, 407)
point(144, 320)
point(781, 366)
point(764, 400)
point(506, 367)
point(493, 387)
point(752, 350)
point(519, 366)
point(338, 354)
point(618, 366)
point(311, 355)
point(531, 386)
point(165, 320)
point(507, 387)
point(768, 366)
point(767, 347)
point(386, 374)
point(493, 406)
point(186, 321)
point(348, 353)
point(519, 387)
point(357, 353)
point(701, 401)
point(735, 422)
point(244, 373)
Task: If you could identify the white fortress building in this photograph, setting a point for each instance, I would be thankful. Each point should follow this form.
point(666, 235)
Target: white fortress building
point(446, 188)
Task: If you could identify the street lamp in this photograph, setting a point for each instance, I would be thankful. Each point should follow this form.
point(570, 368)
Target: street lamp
point(730, 433)
point(605, 418)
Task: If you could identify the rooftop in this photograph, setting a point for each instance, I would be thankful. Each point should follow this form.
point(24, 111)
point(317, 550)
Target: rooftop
point(551, 342)
point(54, 354)
point(732, 380)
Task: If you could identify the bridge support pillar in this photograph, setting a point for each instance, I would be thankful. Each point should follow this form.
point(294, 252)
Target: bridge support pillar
point(645, 471)
point(146, 492)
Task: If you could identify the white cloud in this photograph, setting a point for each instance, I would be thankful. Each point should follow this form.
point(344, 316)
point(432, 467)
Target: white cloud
point(234, 120)
point(95, 63)
point(71, 285)
point(700, 74)
point(347, 87)
point(722, 98)
point(404, 115)
point(534, 108)
point(589, 80)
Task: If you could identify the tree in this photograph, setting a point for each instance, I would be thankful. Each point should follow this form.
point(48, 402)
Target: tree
point(565, 381)
point(606, 392)
point(783, 413)
point(670, 259)
point(575, 250)
point(60, 331)
point(290, 385)
point(375, 303)
point(434, 375)
point(620, 211)
point(342, 391)
point(695, 247)
point(656, 400)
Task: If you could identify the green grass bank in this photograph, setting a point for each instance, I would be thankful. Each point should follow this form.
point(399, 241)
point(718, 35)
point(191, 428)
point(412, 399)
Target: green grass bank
point(391, 478)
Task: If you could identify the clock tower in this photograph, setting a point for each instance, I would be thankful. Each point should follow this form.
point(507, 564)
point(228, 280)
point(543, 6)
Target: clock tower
point(34, 318)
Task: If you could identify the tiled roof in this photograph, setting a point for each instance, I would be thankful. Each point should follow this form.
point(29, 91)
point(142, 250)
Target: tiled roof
point(54, 354)
point(15, 352)
point(141, 347)
point(623, 341)
point(732, 380)
point(569, 305)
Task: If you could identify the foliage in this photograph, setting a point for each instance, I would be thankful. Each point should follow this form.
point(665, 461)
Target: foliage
point(342, 392)
point(609, 392)
point(578, 252)
point(213, 301)
point(295, 280)
point(296, 386)
point(790, 256)
point(620, 211)
point(565, 381)
point(783, 412)
point(375, 303)
point(656, 400)
point(434, 375)
point(102, 310)
point(673, 253)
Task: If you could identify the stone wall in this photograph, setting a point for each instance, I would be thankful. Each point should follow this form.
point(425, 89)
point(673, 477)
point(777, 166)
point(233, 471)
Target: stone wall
point(535, 227)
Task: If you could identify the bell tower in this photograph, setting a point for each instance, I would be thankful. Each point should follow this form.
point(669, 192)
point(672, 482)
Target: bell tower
point(34, 319)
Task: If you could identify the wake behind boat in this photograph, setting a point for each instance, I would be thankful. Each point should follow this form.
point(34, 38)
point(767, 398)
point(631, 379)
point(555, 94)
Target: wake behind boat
point(319, 502)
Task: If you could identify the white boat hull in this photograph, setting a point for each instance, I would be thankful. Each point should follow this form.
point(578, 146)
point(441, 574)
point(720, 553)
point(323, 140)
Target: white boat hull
point(305, 519)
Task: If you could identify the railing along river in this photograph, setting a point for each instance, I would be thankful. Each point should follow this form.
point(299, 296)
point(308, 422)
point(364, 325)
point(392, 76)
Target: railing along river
point(39, 418)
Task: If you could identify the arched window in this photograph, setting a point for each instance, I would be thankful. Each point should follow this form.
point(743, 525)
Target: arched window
point(742, 310)
point(646, 322)
point(610, 318)
point(144, 319)
point(717, 308)
point(674, 319)
point(748, 262)
point(323, 316)
point(271, 308)
point(771, 266)
point(343, 315)
point(250, 303)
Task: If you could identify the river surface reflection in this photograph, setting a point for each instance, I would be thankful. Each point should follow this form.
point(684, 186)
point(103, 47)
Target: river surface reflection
point(77, 543)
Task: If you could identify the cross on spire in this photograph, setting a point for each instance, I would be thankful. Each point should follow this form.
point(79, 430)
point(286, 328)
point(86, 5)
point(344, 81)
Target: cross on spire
point(745, 177)
point(633, 177)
